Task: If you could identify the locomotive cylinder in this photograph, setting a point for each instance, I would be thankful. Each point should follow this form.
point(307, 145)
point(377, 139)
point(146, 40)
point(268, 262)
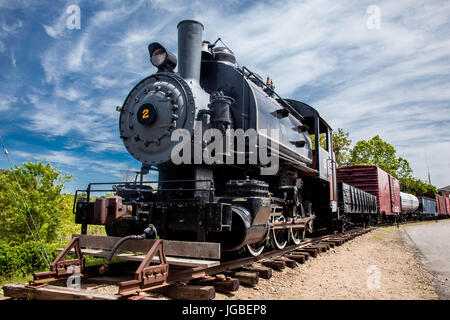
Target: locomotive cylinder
point(190, 34)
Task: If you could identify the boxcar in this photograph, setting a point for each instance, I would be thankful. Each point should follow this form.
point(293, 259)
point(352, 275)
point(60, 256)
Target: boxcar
point(377, 182)
point(441, 206)
point(447, 199)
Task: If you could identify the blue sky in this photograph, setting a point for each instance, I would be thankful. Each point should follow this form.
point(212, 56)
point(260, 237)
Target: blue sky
point(393, 81)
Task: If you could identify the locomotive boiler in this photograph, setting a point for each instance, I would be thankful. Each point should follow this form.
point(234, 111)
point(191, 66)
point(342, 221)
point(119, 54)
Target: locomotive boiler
point(266, 181)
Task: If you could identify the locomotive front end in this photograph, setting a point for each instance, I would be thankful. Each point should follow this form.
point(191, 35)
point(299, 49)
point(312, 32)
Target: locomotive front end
point(164, 101)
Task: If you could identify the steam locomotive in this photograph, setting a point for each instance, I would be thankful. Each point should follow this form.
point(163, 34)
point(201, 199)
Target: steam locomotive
point(231, 202)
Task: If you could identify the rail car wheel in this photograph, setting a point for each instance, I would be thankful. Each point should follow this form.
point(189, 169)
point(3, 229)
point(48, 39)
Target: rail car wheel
point(255, 249)
point(280, 238)
point(297, 235)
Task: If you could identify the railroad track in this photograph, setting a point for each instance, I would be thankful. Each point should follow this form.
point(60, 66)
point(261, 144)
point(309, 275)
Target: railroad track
point(197, 283)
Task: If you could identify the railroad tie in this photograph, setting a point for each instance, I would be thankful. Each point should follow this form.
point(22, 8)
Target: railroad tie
point(274, 264)
point(318, 248)
point(245, 277)
point(322, 246)
point(314, 252)
point(301, 253)
point(297, 257)
point(337, 242)
point(329, 243)
point(189, 292)
point(220, 283)
point(289, 262)
point(263, 272)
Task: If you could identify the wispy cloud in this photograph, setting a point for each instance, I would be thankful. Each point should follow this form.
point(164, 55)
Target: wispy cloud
point(392, 81)
point(6, 102)
point(72, 161)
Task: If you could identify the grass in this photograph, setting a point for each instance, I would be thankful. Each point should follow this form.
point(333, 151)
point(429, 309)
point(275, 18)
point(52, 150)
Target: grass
point(17, 278)
point(381, 233)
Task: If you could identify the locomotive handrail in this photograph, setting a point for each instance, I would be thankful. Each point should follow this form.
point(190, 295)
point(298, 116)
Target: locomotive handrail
point(283, 102)
point(89, 189)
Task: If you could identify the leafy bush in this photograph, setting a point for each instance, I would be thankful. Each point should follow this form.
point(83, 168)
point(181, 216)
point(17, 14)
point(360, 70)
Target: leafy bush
point(24, 258)
point(45, 205)
point(21, 260)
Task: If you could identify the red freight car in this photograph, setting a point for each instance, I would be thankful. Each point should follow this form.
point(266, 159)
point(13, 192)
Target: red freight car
point(447, 199)
point(377, 182)
point(441, 205)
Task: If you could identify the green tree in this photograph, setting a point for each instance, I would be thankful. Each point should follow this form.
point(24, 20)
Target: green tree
point(341, 146)
point(379, 153)
point(417, 186)
point(41, 185)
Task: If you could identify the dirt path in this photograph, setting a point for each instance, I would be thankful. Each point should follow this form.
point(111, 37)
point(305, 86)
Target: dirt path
point(377, 265)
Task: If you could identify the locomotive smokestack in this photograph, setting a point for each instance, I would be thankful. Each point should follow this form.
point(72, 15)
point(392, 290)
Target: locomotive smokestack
point(190, 35)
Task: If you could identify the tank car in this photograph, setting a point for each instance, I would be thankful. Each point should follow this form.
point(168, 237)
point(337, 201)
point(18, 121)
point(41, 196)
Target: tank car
point(170, 120)
point(409, 204)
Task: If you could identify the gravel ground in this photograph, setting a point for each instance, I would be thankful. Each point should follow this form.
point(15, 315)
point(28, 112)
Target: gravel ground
point(376, 265)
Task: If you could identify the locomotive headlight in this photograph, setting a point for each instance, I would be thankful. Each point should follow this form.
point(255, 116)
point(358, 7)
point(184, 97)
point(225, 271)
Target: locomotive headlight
point(161, 58)
point(158, 57)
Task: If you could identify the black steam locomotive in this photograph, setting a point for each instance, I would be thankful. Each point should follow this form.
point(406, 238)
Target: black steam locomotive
point(232, 202)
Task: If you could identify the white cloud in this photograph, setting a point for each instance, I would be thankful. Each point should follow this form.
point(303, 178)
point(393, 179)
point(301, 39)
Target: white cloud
point(104, 82)
point(73, 160)
point(393, 81)
point(6, 102)
point(69, 93)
